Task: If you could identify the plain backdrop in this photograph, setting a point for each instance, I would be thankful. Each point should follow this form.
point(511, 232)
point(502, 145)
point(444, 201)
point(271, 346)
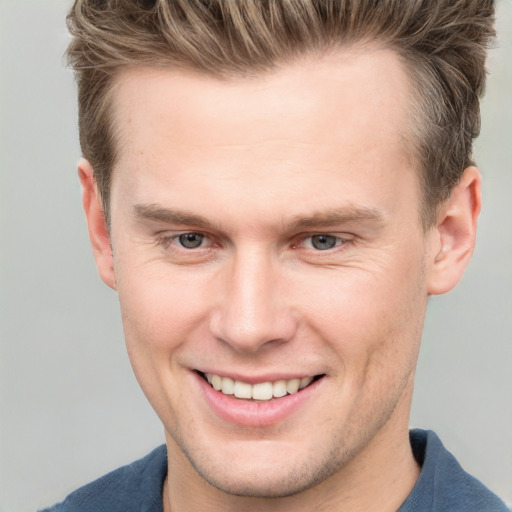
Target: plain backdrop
point(70, 409)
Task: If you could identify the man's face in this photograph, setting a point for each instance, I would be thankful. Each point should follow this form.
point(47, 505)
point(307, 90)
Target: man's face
point(267, 230)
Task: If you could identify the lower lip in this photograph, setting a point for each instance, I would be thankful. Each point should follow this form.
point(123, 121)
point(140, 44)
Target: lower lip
point(250, 413)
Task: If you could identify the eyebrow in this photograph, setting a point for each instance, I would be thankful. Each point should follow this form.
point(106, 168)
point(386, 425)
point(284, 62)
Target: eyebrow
point(329, 217)
point(336, 216)
point(154, 212)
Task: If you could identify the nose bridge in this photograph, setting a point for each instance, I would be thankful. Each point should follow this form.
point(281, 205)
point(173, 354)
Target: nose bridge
point(252, 310)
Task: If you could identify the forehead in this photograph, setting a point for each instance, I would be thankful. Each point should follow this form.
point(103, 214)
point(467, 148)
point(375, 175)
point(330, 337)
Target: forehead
point(346, 90)
point(300, 124)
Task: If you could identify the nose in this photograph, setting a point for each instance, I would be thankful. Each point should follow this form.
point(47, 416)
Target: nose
point(253, 305)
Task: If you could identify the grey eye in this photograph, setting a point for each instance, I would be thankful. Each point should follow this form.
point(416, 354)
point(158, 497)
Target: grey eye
point(191, 240)
point(323, 242)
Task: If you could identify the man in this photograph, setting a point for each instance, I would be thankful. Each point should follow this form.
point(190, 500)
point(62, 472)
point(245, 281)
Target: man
point(275, 189)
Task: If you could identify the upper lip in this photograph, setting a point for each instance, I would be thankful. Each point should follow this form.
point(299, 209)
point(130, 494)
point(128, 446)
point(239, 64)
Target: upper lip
point(256, 379)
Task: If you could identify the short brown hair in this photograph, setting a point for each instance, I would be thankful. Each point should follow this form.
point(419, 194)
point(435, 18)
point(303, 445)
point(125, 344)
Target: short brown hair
point(442, 42)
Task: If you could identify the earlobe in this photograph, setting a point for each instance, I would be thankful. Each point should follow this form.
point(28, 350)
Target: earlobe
point(455, 233)
point(97, 224)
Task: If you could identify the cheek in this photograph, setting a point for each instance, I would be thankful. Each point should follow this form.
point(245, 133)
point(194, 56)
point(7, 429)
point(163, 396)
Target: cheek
point(370, 317)
point(161, 311)
point(158, 304)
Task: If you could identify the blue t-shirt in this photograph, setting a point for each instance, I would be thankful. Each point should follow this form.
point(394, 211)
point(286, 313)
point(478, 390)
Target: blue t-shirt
point(443, 486)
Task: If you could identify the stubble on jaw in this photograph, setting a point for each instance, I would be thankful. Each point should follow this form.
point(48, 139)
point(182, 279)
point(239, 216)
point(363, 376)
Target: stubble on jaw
point(312, 477)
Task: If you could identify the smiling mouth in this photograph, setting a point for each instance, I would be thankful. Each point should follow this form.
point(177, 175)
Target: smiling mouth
point(263, 391)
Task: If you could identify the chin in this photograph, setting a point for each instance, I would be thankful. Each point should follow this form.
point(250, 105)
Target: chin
point(266, 477)
point(262, 485)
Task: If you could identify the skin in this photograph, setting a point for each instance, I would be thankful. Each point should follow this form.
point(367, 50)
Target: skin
point(266, 163)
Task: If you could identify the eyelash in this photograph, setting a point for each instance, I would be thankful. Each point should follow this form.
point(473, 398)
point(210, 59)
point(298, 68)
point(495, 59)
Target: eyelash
point(168, 240)
point(339, 241)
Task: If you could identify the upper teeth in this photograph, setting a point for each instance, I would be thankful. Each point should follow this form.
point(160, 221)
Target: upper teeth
point(260, 391)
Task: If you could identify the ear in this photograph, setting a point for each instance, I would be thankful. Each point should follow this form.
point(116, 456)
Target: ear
point(97, 224)
point(455, 233)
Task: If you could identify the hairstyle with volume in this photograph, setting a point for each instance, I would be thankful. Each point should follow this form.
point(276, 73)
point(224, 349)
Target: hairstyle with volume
point(443, 44)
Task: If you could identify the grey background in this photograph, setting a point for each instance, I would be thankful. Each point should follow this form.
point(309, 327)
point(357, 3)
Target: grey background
point(70, 408)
